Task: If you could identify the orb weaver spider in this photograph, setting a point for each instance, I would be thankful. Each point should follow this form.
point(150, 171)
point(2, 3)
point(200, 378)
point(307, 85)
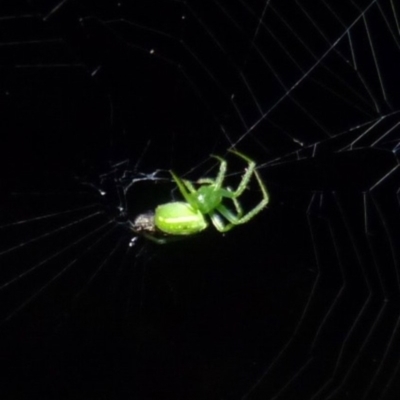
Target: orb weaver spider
point(188, 217)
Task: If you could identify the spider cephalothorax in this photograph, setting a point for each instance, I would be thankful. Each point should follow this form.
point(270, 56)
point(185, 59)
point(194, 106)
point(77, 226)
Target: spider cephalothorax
point(206, 202)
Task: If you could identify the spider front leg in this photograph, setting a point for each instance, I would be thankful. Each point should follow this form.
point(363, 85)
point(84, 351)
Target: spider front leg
point(221, 173)
point(219, 180)
point(185, 187)
point(251, 168)
point(228, 193)
point(259, 207)
point(226, 213)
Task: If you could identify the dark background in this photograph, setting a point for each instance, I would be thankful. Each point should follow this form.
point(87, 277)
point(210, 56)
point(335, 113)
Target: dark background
point(99, 101)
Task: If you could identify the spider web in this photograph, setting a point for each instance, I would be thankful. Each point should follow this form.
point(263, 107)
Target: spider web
point(99, 101)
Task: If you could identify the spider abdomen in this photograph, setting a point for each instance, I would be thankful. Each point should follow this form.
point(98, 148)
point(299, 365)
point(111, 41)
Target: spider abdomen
point(179, 218)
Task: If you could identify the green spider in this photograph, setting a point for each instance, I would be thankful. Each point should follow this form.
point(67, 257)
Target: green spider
point(183, 218)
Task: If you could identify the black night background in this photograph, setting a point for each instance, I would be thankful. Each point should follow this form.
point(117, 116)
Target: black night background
point(99, 100)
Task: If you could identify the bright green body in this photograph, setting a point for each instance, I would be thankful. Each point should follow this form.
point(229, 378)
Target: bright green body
point(179, 218)
point(204, 199)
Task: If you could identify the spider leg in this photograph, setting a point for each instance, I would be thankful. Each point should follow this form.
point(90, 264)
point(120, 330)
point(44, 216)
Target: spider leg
point(242, 219)
point(228, 193)
point(238, 207)
point(206, 181)
point(233, 195)
point(218, 222)
point(189, 186)
point(221, 173)
point(232, 218)
point(251, 168)
point(161, 240)
point(155, 239)
point(259, 207)
point(182, 188)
